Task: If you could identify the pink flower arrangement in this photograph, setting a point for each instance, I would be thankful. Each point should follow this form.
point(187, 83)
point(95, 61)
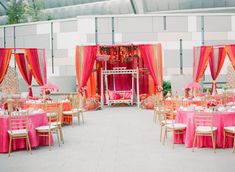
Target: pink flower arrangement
point(212, 103)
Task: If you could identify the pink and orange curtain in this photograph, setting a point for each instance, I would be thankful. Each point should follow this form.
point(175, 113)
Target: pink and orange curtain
point(152, 56)
point(24, 70)
point(5, 56)
point(85, 59)
point(230, 49)
point(200, 61)
point(216, 61)
point(37, 64)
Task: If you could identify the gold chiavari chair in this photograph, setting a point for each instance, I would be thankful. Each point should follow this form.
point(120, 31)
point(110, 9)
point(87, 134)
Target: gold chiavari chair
point(19, 128)
point(204, 126)
point(159, 105)
point(52, 108)
point(76, 111)
point(171, 126)
point(53, 123)
point(229, 131)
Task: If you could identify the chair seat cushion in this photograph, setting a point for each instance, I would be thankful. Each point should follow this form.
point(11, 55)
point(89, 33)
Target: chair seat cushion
point(230, 129)
point(168, 121)
point(19, 132)
point(56, 123)
point(78, 110)
point(69, 112)
point(45, 128)
point(51, 114)
point(205, 129)
point(176, 126)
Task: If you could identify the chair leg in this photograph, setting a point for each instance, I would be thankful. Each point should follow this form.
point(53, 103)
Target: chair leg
point(78, 115)
point(233, 143)
point(58, 139)
point(224, 139)
point(194, 141)
point(72, 120)
point(213, 141)
point(161, 133)
point(82, 117)
point(28, 144)
point(9, 152)
point(49, 136)
point(165, 136)
point(61, 134)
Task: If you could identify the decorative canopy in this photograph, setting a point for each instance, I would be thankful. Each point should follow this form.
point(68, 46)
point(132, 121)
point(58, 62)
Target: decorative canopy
point(215, 56)
point(91, 59)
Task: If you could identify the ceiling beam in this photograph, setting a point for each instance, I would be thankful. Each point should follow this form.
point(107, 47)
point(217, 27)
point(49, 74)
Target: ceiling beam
point(3, 3)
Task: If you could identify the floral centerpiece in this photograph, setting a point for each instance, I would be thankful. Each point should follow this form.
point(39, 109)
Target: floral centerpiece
point(212, 103)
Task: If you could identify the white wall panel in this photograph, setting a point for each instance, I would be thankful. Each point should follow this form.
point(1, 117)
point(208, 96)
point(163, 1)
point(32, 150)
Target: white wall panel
point(70, 40)
point(86, 25)
point(43, 28)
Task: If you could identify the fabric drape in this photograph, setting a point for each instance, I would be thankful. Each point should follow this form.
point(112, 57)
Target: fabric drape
point(216, 61)
point(153, 59)
point(5, 56)
point(200, 61)
point(37, 64)
point(230, 49)
point(85, 58)
point(23, 66)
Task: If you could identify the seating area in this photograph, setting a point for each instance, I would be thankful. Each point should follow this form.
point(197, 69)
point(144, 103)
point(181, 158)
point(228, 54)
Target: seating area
point(117, 85)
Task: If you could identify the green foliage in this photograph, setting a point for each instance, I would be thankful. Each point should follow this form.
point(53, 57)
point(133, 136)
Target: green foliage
point(33, 10)
point(166, 87)
point(16, 11)
point(49, 17)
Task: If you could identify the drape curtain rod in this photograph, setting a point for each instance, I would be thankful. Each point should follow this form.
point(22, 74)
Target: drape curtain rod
point(216, 46)
point(26, 48)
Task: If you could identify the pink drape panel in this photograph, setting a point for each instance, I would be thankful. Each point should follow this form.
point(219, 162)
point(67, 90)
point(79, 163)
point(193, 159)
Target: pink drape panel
point(5, 56)
point(153, 59)
point(216, 62)
point(37, 63)
point(85, 58)
point(200, 61)
point(24, 70)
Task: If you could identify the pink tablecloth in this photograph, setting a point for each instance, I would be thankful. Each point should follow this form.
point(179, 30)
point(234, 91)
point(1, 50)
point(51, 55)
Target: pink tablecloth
point(220, 120)
point(35, 120)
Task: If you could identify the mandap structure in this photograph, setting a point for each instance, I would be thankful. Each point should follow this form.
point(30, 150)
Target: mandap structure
point(30, 61)
point(119, 73)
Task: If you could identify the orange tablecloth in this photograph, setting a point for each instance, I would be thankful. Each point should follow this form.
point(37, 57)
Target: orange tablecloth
point(188, 102)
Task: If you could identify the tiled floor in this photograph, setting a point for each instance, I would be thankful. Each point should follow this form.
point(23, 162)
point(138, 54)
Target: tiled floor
point(118, 139)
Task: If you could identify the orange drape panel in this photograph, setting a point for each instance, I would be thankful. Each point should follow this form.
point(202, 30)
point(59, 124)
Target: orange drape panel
point(230, 49)
point(35, 66)
point(85, 59)
point(201, 59)
point(5, 55)
point(24, 70)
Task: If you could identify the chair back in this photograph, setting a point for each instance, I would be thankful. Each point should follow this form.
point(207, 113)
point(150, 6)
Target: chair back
point(10, 106)
point(169, 111)
point(160, 111)
point(203, 118)
point(75, 102)
point(53, 112)
point(18, 120)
